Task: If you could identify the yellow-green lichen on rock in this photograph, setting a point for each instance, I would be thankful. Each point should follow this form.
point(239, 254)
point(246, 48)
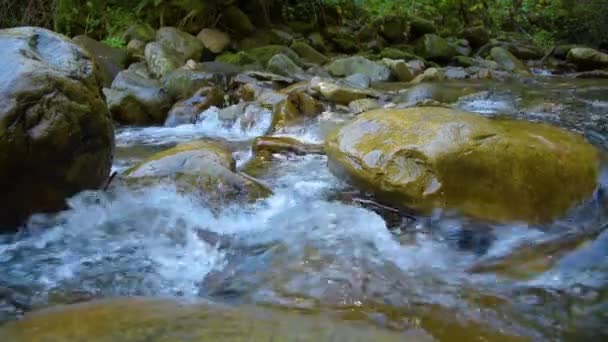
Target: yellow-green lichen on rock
point(434, 157)
point(198, 166)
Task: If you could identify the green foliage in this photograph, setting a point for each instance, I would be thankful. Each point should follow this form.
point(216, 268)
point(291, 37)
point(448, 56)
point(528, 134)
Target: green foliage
point(114, 41)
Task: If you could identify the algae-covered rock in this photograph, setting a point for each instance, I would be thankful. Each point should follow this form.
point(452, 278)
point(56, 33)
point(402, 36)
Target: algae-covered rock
point(363, 105)
point(143, 32)
point(420, 26)
point(476, 35)
point(163, 320)
point(400, 69)
point(137, 100)
point(587, 58)
point(509, 62)
point(294, 107)
point(136, 49)
point(186, 111)
point(214, 40)
point(56, 135)
point(434, 48)
point(161, 59)
point(187, 45)
point(282, 65)
point(237, 20)
point(109, 60)
point(183, 82)
point(263, 54)
point(308, 54)
point(434, 157)
point(358, 65)
point(341, 94)
point(199, 167)
point(241, 58)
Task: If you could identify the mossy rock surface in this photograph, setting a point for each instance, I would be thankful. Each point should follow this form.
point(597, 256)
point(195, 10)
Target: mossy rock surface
point(201, 167)
point(165, 320)
point(587, 58)
point(509, 62)
point(109, 60)
point(56, 134)
point(434, 157)
point(162, 60)
point(263, 54)
point(187, 45)
point(434, 48)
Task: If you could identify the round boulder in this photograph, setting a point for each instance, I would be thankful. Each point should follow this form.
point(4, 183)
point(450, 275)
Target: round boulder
point(56, 135)
point(435, 157)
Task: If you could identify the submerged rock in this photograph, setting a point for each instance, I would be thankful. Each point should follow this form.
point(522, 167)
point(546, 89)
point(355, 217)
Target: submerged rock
point(587, 58)
point(433, 157)
point(109, 60)
point(186, 111)
point(56, 135)
point(198, 166)
point(137, 100)
point(358, 65)
point(509, 62)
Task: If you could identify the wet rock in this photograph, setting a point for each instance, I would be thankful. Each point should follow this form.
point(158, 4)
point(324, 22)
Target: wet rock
point(400, 69)
point(358, 80)
point(282, 65)
point(358, 65)
point(363, 105)
point(454, 73)
point(432, 157)
point(476, 35)
point(429, 75)
point(265, 53)
point(214, 40)
point(136, 49)
point(137, 100)
point(143, 32)
point(186, 111)
point(146, 319)
point(183, 82)
point(509, 62)
point(198, 167)
point(295, 107)
point(237, 21)
point(56, 135)
point(284, 145)
point(308, 54)
point(341, 94)
point(434, 48)
point(417, 66)
point(161, 59)
point(109, 60)
point(187, 45)
point(587, 58)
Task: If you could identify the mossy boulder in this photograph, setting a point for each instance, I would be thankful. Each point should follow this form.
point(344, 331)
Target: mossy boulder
point(161, 60)
point(187, 45)
point(135, 99)
point(237, 20)
point(155, 320)
point(420, 26)
point(587, 58)
point(198, 167)
point(240, 58)
point(136, 49)
point(476, 35)
point(214, 40)
point(509, 62)
point(282, 65)
point(394, 28)
point(434, 48)
point(183, 82)
point(343, 67)
point(56, 134)
point(263, 54)
point(109, 60)
point(308, 54)
point(435, 157)
point(186, 111)
point(143, 32)
point(400, 69)
point(293, 108)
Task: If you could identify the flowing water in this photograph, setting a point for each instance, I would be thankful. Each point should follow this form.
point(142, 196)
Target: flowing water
point(318, 245)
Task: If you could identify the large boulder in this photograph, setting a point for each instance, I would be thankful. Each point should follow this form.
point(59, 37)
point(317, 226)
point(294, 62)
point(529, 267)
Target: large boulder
point(509, 62)
point(137, 100)
point(476, 35)
point(284, 66)
point(143, 32)
point(237, 20)
point(183, 82)
point(161, 60)
point(434, 48)
point(198, 167)
point(308, 53)
point(435, 157)
point(343, 67)
point(109, 60)
point(587, 58)
point(148, 319)
point(56, 135)
point(214, 40)
point(187, 45)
